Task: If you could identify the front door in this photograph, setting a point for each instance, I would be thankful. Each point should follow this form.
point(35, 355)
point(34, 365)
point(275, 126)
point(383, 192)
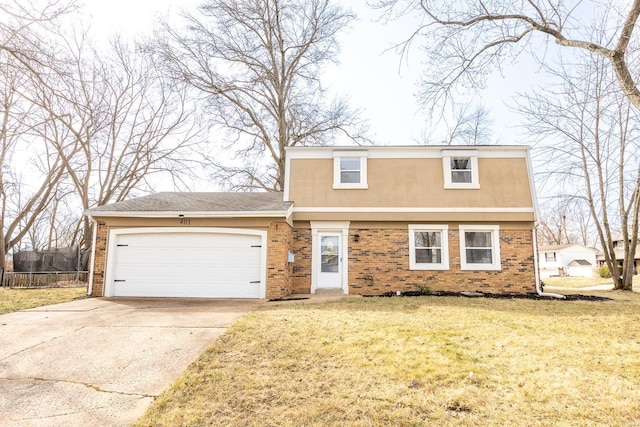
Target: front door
point(330, 262)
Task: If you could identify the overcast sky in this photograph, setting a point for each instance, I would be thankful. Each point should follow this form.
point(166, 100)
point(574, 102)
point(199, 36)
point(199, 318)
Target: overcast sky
point(373, 78)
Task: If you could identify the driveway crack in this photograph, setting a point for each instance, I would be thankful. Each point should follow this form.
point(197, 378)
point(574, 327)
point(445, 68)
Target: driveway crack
point(91, 386)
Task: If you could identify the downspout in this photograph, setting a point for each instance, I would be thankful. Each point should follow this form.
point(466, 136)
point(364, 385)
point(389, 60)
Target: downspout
point(535, 264)
point(534, 232)
point(93, 254)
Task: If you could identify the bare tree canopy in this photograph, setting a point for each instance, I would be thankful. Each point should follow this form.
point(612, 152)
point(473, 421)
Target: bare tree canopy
point(469, 38)
point(588, 133)
point(255, 66)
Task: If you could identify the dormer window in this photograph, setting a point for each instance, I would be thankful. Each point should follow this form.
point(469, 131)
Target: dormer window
point(350, 169)
point(460, 169)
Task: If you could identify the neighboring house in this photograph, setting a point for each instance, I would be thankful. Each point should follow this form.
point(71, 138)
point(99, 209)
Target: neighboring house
point(357, 220)
point(618, 247)
point(567, 260)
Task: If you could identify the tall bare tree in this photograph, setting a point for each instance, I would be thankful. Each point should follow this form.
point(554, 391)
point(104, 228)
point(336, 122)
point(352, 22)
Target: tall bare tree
point(255, 66)
point(118, 122)
point(588, 134)
point(468, 38)
point(29, 171)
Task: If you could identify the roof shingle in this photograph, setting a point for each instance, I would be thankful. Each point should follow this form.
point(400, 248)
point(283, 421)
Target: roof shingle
point(199, 202)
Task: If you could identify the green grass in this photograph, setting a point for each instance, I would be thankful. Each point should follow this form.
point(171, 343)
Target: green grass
point(14, 299)
point(417, 361)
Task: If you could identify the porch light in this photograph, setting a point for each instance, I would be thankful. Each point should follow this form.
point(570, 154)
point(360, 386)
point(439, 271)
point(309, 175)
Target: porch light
point(356, 237)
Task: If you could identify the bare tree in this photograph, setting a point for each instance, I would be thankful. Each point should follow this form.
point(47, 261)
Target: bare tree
point(29, 171)
point(588, 134)
point(468, 38)
point(470, 126)
point(26, 29)
point(117, 123)
point(566, 220)
point(255, 66)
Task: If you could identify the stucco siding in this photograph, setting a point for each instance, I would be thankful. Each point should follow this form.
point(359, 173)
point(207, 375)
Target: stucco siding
point(408, 183)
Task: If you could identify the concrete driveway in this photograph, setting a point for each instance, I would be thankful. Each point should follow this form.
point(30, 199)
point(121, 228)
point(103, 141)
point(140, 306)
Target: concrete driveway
point(101, 362)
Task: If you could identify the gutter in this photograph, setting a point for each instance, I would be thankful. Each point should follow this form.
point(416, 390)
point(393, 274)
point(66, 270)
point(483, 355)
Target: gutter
point(535, 263)
point(93, 254)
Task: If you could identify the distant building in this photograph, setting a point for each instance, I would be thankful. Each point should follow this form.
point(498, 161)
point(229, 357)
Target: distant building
point(618, 248)
point(567, 260)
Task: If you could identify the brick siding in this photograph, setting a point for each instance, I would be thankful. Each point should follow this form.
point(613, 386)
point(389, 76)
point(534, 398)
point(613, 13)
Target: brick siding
point(100, 254)
point(279, 270)
point(379, 263)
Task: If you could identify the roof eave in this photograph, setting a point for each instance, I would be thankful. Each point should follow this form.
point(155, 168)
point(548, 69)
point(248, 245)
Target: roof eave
point(188, 214)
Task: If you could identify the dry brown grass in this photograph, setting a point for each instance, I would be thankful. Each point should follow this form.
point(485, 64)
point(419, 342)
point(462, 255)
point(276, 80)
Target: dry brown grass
point(568, 282)
point(22, 299)
point(420, 361)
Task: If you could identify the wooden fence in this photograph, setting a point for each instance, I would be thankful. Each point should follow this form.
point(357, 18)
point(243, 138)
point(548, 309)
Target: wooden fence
point(52, 279)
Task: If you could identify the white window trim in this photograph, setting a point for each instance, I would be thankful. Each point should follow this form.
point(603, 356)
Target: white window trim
point(446, 166)
point(362, 155)
point(444, 230)
point(495, 241)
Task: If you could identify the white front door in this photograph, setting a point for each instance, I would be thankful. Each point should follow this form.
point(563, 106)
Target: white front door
point(330, 260)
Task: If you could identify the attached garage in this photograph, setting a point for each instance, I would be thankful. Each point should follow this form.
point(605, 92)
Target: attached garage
point(198, 263)
point(191, 245)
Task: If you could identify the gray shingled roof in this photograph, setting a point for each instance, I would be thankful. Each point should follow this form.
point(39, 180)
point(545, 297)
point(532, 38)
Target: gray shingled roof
point(198, 202)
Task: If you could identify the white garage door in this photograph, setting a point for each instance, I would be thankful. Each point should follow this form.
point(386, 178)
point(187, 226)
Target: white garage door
point(200, 265)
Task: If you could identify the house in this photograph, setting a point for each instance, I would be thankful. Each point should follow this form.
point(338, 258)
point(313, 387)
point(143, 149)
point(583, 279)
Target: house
point(618, 248)
point(567, 260)
point(352, 220)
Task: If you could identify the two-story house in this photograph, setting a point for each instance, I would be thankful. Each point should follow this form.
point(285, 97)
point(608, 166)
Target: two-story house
point(353, 220)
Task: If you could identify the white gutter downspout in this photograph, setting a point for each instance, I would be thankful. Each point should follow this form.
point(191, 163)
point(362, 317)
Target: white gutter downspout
point(535, 263)
point(93, 254)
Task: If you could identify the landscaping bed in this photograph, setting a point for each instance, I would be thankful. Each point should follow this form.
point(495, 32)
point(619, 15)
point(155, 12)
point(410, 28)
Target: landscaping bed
point(530, 296)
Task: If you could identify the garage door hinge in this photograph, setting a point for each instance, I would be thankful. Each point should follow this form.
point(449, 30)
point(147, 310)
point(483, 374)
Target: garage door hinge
point(256, 246)
point(121, 245)
point(255, 281)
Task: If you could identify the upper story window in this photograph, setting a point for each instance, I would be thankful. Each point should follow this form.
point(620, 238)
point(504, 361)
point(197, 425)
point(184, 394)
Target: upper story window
point(460, 168)
point(428, 247)
point(350, 169)
point(550, 256)
point(479, 247)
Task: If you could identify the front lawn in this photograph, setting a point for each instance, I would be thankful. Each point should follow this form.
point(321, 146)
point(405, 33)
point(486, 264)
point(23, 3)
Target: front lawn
point(14, 299)
point(568, 282)
point(417, 361)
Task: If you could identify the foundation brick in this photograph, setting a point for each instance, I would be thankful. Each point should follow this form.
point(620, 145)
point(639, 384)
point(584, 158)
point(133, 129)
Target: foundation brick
point(379, 263)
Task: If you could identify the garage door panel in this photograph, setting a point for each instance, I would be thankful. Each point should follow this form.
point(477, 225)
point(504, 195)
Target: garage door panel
point(188, 265)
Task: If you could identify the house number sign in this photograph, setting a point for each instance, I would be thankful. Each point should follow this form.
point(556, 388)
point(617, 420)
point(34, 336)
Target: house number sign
point(185, 221)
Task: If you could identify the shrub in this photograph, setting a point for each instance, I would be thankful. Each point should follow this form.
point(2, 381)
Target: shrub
point(604, 272)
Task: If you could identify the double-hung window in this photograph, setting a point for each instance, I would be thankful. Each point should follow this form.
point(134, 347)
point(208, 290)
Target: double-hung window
point(460, 169)
point(350, 169)
point(428, 247)
point(479, 247)
point(550, 256)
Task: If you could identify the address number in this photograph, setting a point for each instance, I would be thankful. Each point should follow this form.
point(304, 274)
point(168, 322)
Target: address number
point(185, 221)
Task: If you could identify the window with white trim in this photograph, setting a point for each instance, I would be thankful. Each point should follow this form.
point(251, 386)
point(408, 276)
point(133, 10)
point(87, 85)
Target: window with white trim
point(460, 169)
point(550, 256)
point(428, 247)
point(479, 247)
point(350, 169)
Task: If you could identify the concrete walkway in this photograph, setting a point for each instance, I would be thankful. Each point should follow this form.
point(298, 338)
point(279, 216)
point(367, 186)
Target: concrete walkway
point(101, 362)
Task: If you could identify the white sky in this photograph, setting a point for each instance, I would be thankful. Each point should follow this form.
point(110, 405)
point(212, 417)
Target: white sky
point(372, 79)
